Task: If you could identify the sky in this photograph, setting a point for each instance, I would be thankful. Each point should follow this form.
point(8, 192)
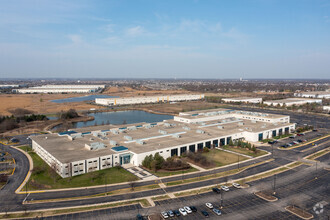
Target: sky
point(218, 39)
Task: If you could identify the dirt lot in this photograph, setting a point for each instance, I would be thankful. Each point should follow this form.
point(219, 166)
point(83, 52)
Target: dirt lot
point(127, 91)
point(39, 103)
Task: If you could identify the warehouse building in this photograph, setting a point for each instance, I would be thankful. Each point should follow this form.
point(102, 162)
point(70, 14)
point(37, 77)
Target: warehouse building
point(243, 99)
point(315, 94)
point(89, 149)
point(292, 101)
point(61, 89)
point(147, 99)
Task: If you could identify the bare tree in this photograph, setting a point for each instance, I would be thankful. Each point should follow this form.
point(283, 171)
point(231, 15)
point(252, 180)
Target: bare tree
point(132, 183)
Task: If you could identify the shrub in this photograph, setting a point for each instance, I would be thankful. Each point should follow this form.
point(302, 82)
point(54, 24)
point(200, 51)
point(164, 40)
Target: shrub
point(205, 150)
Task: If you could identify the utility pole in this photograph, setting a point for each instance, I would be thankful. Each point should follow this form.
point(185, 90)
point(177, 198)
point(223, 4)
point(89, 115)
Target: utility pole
point(238, 161)
point(274, 189)
point(272, 150)
point(106, 187)
point(316, 170)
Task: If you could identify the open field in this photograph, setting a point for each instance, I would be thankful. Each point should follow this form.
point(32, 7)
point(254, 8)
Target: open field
point(40, 103)
point(245, 151)
point(125, 91)
point(222, 158)
point(43, 177)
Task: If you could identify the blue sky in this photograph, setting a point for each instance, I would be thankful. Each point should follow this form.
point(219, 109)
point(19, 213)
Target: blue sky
point(165, 39)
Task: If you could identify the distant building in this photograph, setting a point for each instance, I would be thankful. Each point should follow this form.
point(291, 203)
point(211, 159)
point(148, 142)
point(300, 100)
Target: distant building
point(147, 99)
point(243, 99)
point(315, 94)
point(292, 101)
point(84, 150)
point(326, 108)
point(61, 89)
point(5, 86)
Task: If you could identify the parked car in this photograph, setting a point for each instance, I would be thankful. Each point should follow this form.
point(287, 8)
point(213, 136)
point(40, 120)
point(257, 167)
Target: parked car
point(284, 146)
point(170, 213)
point(177, 213)
point(292, 136)
point(224, 188)
point(301, 134)
point(188, 210)
point(209, 205)
point(288, 145)
point(236, 185)
point(14, 140)
point(193, 208)
point(216, 190)
point(183, 211)
point(315, 130)
point(300, 141)
point(217, 211)
point(295, 142)
point(164, 214)
point(304, 140)
point(205, 213)
point(139, 217)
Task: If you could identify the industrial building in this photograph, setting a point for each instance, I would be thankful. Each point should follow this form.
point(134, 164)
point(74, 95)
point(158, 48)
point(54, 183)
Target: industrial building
point(243, 99)
point(326, 108)
point(314, 94)
point(292, 101)
point(88, 149)
point(61, 89)
point(5, 86)
point(147, 99)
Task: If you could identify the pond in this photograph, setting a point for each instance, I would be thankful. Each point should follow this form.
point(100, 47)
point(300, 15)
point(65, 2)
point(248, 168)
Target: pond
point(82, 98)
point(121, 117)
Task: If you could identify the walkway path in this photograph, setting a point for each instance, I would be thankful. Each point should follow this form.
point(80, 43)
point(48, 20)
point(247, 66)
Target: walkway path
point(229, 151)
point(139, 172)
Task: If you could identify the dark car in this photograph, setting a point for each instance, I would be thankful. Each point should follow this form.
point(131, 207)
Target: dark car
point(139, 217)
point(300, 141)
point(292, 137)
point(284, 146)
point(271, 142)
point(14, 140)
point(301, 134)
point(315, 130)
point(216, 190)
point(177, 213)
point(205, 213)
point(193, 208)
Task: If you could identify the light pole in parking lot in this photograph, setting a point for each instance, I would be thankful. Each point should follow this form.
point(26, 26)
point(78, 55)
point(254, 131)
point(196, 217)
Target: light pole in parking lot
point(238, 162)
point(274, 185)
point(315, 169)
point(221, 198)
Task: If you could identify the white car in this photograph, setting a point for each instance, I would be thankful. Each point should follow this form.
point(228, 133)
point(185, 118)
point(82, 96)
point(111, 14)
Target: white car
point(188, 210)
point(236, 185)
point(209, 205)
point(164, 214)
point(183, 211)
point(224, 188)
point(217, 211)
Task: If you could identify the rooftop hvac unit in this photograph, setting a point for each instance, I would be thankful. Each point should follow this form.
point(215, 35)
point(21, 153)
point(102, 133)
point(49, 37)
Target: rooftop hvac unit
point(220, 127)
point(141, 142)
point(132, 128)
point(162, 132)
point(200, 131)
point(186, 128)
point(203, 123)
point(77, 135)
point(148, 126)
point(254, 121)
point(129, 138)
point(114, 131)
point(113, 143)
point(166, 124)
point(240, 123)
point(176, 136)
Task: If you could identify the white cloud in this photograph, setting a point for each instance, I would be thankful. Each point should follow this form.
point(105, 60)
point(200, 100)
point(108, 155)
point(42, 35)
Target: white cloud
point(135, 31)
point(75, 38)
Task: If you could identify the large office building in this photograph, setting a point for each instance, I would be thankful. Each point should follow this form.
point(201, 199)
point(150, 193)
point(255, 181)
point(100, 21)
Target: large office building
point(88, 149)
point(292, 101)
point(243, 100)
point(61, 89)
point(314, 94)
point(147, 99)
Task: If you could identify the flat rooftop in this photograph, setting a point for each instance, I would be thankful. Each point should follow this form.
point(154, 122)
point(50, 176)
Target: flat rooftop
point(290, 100)
point(162, 135)
point(242, 98)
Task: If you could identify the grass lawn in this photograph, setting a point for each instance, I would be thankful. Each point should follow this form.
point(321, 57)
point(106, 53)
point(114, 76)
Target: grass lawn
point(171, 173)
point(43, 177)
point(222, 158)
point(245, 151)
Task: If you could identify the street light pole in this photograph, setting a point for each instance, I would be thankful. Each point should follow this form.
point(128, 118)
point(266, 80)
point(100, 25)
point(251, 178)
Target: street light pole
point(274, 190)
point(316, 170)
point(238, 161)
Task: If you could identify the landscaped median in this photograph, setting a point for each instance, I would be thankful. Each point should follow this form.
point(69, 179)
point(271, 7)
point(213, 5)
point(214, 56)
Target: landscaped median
point(318, 154)
point(299, 212)
point(34, 214)
point(216, 175)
